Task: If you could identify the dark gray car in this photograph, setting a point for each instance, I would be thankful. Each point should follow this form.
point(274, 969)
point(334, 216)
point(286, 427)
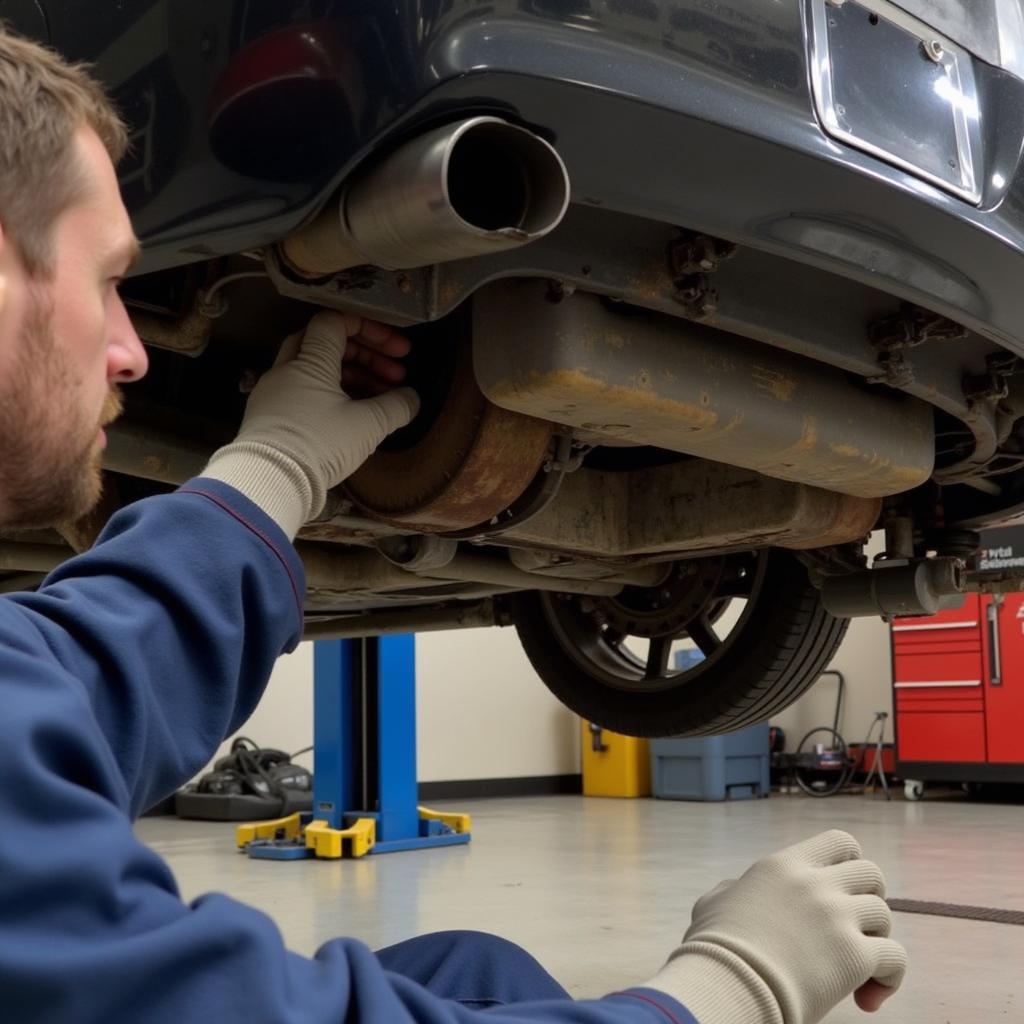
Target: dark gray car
point(703, 292)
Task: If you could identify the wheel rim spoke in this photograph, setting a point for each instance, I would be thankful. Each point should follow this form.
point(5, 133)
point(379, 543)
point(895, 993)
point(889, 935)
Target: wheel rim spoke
point(657, 657)
point(703, 634)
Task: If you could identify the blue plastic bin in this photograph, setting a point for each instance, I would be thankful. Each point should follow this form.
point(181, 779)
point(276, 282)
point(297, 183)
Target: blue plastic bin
point(730, 767)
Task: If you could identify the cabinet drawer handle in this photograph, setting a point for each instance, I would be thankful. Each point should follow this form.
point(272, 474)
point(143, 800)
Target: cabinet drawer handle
point(995, 654)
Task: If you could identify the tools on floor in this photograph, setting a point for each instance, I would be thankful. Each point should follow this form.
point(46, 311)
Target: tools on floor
point(364, 762)
point(249, 782)
point(824, 764)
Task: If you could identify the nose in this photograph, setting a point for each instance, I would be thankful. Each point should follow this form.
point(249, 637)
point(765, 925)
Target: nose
point(126, 356)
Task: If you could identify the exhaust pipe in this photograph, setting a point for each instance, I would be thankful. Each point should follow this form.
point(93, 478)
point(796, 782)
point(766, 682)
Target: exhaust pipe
point(469, 189)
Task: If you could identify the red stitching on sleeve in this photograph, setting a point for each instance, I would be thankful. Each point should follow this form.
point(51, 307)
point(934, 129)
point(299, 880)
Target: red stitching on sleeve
point(220, 503)
point(647, 999)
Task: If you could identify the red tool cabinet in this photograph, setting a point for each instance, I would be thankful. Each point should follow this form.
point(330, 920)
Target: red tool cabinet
point(958, 680)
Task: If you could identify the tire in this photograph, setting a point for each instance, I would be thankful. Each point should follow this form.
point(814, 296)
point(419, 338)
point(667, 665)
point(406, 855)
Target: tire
point(781, 644)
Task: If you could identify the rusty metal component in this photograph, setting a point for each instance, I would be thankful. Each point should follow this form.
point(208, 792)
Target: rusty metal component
point(153, 454)
point(549, 563)
point(472, 567)
point(473, 188)
point(472, 463)
point(692, 505)
point(188, 335)
point(356, 572)
point(370, 572)
point(464, 615)
point(913, 326)
point(756, 299)
point(17, 557)
point(418, 553)
point(910, 327)
point(688, 388)
point(691, 258)
point(920, 586)
point(994, 581)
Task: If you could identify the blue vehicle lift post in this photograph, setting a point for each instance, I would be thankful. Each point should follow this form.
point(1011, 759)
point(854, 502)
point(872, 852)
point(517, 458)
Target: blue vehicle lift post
point(364, 762)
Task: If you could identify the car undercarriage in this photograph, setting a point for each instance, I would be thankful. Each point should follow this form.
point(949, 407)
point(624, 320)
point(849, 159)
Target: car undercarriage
point(656, 418)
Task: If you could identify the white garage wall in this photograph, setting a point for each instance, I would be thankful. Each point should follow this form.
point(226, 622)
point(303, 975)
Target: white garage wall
point(482, 712)
point(284, 718)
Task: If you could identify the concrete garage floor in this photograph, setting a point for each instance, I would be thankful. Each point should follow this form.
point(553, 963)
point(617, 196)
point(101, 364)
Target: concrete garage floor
point(600, 890)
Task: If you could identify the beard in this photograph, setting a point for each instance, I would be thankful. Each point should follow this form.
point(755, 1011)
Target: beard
point(50, 452)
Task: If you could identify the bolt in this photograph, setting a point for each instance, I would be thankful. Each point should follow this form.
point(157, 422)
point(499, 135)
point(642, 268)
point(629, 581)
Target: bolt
point(404, 284)
point(933, 50)
point(840, 110)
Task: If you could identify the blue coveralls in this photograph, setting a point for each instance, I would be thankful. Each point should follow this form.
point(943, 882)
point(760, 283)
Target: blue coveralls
point(118, 679)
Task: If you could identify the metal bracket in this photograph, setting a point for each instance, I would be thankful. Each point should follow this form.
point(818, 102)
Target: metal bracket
point(913, 326)
point(897, 372)
point(910, 327)
point(691, 258)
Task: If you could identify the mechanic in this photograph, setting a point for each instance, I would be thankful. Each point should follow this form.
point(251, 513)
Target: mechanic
point(123, 672)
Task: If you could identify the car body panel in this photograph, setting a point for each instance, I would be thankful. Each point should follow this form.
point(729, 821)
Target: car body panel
point(683, 111)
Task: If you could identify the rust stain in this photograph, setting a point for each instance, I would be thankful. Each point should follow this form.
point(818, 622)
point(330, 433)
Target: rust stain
point(648, 411)
point(651, 284)
point(848, 451)
point(450, 291)
point(778, 385)
point(883, 469)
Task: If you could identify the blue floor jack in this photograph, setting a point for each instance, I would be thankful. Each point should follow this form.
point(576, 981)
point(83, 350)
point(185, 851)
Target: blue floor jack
point(364, 762)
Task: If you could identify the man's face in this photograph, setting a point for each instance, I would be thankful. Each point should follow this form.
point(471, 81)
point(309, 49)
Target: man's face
point(66, 342)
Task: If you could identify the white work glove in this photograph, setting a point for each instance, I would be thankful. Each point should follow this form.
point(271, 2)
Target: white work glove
point(301, 434)
point(785, 943)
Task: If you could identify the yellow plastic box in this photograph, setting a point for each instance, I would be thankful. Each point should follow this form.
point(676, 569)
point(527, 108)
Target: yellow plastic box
point(614, 765)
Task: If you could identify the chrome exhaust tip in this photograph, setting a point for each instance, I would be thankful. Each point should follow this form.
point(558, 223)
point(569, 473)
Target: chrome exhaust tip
point(476, 187)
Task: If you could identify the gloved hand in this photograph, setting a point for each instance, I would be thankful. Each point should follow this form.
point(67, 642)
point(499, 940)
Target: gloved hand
point(785, 943)
point(301, 433)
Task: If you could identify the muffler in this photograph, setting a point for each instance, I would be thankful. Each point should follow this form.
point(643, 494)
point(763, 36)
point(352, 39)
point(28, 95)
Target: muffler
point(477, 187)
point(656, 380)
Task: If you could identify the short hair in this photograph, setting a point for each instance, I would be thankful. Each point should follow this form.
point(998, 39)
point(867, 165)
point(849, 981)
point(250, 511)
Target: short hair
point(44, 101)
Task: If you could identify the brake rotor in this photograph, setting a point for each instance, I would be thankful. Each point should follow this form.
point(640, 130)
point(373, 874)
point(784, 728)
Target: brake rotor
point(470, 464)
point(666, 609)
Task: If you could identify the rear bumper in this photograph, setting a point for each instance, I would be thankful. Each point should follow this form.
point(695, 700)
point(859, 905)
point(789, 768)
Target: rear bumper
point(684, 113)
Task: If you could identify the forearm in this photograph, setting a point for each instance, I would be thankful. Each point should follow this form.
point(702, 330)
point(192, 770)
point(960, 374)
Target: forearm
point(172, 623)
